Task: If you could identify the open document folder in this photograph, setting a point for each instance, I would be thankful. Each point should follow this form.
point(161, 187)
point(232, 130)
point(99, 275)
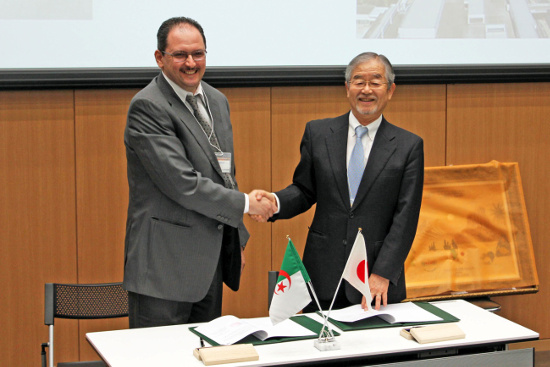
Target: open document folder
point(392, 313)
point(398, 314)
point(227, 330)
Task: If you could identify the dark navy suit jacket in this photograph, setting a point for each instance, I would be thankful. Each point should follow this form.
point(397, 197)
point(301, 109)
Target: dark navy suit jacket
point(387, 205)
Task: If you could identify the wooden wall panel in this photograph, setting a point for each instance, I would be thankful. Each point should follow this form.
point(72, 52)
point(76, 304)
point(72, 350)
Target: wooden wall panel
point(251, 120)
point(37, 216)
point(421, 110)
point(509, 123)
point(102, 186)
point(102, 195)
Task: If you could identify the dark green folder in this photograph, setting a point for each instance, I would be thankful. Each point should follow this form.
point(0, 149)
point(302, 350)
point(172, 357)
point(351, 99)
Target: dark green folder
point(376, 322)
point(303, 320)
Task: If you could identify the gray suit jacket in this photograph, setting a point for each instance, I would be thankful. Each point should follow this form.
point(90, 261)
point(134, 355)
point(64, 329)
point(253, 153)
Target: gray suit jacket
point(178, 205)
point(386, 207)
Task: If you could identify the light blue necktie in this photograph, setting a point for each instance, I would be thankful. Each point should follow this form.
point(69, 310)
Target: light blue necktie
point(356, 163)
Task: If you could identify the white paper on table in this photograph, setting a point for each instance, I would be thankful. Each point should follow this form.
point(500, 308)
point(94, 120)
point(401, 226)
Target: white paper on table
point(227, 330)
point(392, 313)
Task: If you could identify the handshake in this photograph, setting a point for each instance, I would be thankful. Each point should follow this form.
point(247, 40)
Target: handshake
point(262, 205)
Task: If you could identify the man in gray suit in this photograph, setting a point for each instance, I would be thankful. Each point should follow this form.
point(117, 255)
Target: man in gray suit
point(184, 234)
point(369, 178)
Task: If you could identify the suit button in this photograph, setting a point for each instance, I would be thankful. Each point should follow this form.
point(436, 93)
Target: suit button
point(220, 226)
point(351, 215)
point(344, 242)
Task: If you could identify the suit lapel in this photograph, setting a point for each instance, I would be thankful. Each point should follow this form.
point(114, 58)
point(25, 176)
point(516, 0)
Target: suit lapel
point(336, 146)
point(189, 120)
point(220, 127)
point(221, 131)
point(382, 149)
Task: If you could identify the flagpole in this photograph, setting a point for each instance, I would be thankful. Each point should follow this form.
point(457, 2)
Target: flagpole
point(334, 298)
point(310, 285)
point(314, 295)
point(330, 308)
point(337, 289)
point(369, 301)
point(359, 231)
point(326, 340)
point(322, 314)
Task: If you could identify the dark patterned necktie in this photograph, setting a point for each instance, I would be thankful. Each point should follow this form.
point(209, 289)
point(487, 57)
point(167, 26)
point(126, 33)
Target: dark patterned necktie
point(229, 183)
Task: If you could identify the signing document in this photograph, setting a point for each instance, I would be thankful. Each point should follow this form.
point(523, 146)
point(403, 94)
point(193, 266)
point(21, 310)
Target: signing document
point(392, 313)
point(227, 330)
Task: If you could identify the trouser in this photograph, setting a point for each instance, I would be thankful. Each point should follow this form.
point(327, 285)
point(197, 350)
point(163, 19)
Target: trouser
point(146, 311)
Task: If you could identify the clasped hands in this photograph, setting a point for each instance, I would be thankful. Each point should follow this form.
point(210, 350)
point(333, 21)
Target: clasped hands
point(262, 205)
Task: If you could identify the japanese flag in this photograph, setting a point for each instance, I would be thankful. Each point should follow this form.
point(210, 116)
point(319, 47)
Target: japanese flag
point(356, 270)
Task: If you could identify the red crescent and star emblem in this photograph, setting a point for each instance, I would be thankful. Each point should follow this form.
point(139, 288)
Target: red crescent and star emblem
point(280, 287)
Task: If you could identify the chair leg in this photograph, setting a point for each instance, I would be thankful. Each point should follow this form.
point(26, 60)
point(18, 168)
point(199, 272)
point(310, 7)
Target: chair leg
point(43, 355)
point(50, 345)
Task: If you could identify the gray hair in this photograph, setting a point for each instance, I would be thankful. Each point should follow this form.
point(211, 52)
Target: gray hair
point(368, 56)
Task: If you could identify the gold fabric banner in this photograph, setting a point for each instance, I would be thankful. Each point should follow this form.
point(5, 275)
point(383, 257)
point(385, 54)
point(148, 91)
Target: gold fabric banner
point(473, 234)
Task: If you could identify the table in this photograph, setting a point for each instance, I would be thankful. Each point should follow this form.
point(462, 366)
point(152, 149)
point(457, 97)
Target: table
point(487, 334)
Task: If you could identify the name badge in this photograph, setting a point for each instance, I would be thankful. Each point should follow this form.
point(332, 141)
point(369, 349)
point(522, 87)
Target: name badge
point(224, 159)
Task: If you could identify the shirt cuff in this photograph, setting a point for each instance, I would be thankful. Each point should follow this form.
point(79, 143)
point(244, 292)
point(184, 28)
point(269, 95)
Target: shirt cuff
point(278, 204)
point(246, 203)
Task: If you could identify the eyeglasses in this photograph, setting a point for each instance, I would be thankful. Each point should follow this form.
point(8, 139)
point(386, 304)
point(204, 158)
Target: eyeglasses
point(373, 84)
point(181, 56)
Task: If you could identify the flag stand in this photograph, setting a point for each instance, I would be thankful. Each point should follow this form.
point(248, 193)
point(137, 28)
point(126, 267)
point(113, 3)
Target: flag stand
point(324, 344)
point(326, 340)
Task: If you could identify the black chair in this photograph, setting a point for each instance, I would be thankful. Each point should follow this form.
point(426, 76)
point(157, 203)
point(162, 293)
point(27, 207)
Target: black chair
point(81, 301)
point(272, 276)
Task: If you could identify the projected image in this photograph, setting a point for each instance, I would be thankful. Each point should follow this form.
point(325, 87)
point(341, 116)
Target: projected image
point(46, 9)
point(424, 19)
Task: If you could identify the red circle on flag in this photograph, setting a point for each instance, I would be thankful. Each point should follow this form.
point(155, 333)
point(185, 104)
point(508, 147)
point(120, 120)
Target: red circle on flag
point(361, 271)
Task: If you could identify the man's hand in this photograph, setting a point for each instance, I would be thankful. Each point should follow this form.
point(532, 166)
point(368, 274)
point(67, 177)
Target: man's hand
point(261, 205)
point(379, 291)
point(261, 196)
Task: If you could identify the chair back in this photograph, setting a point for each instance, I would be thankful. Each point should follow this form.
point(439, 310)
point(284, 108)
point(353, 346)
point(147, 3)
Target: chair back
point(81, 301)
point(89, 301)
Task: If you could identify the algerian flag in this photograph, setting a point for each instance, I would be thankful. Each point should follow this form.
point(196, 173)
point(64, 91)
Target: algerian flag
point(290, 295)
point(356, 271)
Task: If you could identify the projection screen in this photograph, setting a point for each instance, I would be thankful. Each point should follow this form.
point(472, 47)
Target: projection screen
point(259, 40)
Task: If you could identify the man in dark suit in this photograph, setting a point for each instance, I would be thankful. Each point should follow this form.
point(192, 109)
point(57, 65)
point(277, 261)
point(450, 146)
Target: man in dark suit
point(388, 164)
point(185, 234)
